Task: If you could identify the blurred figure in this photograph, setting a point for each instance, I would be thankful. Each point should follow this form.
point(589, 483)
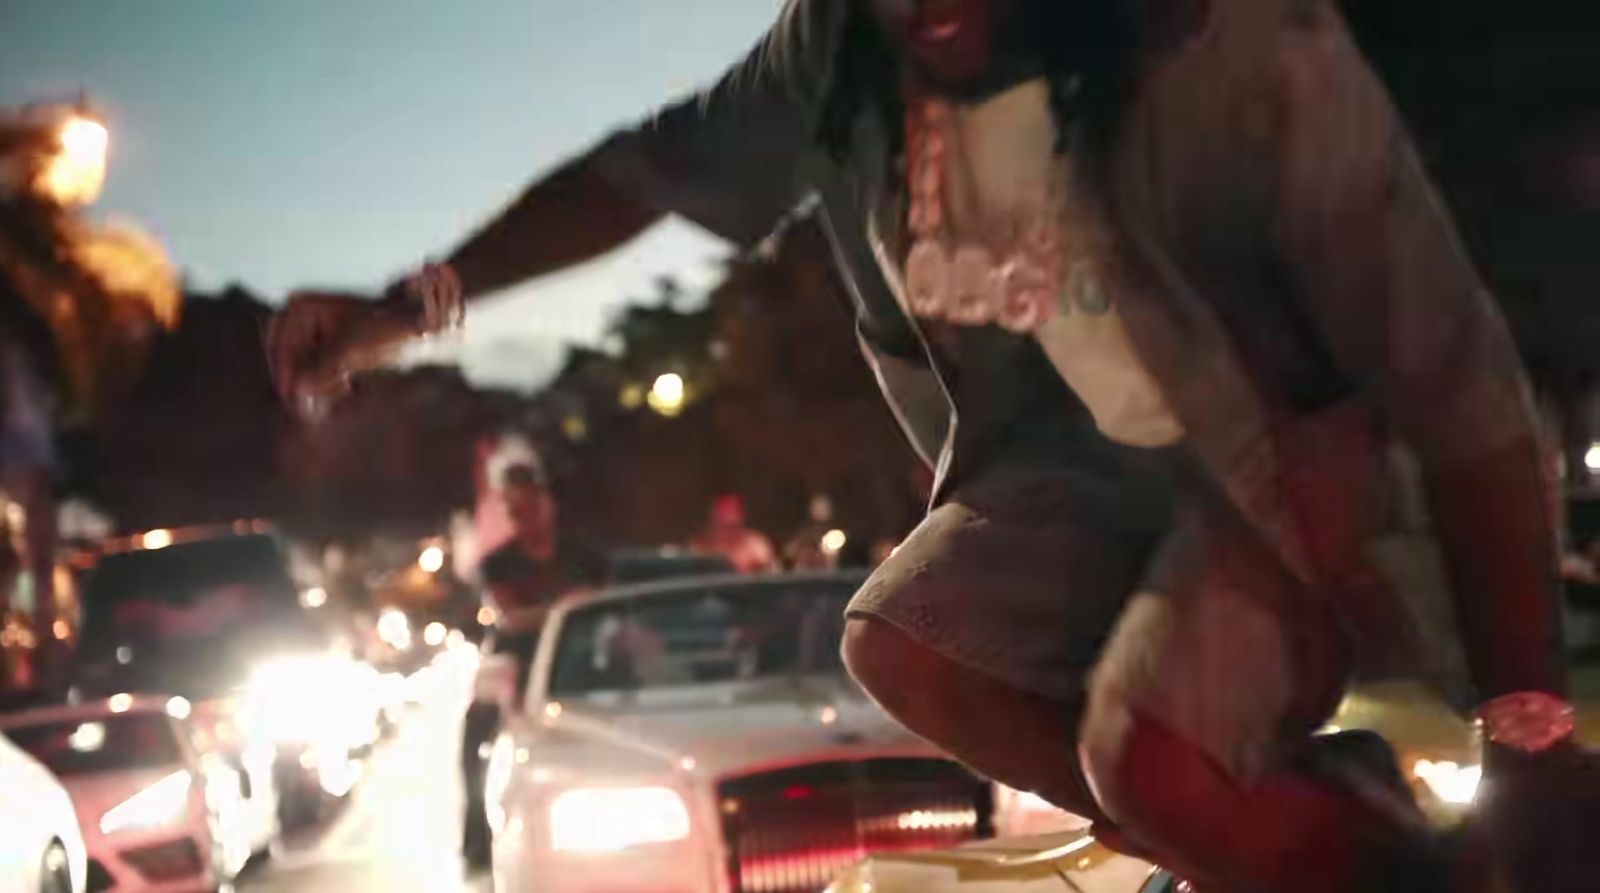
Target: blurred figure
point(539, 562)
point(521, 579)
point(813, 546)
point(510, 578)
point(80, 304)
point(726, 534)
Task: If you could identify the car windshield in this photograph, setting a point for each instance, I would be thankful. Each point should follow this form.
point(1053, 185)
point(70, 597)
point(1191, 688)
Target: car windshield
point(190, 618)
point(1583, 600)
point(100, 744)
point(188, 590)
point(1583, 637)
point(701, 635)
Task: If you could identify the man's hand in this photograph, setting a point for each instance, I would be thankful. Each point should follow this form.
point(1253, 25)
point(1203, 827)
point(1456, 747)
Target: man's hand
point(320, 338)
point(307, 344)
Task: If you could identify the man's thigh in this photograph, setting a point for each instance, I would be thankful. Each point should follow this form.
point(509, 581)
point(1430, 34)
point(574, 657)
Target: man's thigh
point(1221, 646)
point(1021, 579)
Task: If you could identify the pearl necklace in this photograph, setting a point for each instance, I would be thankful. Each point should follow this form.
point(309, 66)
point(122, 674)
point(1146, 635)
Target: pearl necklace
point(969, 283)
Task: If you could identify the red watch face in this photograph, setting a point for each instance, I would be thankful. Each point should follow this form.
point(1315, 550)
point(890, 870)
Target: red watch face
point(1531, 722)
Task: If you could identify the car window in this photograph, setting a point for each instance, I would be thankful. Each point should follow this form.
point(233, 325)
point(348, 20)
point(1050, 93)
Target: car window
point(701, 635)
point(192, 618)
point(101, 744)
point(1583, 637)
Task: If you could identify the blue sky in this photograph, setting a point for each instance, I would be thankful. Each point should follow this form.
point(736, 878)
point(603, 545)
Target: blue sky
point(283, 143)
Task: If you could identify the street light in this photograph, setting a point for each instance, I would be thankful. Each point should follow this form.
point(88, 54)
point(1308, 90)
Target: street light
point(833, 541)
point(76, 171)
point(667, 394)
point(1591, 459)
point(431, 559)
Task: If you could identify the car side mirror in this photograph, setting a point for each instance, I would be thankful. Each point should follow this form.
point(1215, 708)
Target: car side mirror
point(496, 682)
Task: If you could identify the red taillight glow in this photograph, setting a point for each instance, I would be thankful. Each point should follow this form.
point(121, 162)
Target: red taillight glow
point(797, 792)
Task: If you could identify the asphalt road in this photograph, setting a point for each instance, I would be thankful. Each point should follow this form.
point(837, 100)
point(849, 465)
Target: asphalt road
point(400, 829)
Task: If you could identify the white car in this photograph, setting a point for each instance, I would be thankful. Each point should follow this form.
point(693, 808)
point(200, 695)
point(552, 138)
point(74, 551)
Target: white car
point(157, 815)
point(701, 736)
point(41, 848)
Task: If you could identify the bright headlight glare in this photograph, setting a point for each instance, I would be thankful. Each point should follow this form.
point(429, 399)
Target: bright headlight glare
point(602, 820)
point(162, 803)
point(1451, 782)
point(320, 700)
point(1027, 801)
point(496, 779)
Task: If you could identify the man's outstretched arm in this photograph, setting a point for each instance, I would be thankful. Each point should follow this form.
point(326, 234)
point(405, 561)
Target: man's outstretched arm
point(573, 215)
point(733, 159)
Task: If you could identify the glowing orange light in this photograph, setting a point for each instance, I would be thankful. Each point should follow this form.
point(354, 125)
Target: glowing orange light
point(75, 174)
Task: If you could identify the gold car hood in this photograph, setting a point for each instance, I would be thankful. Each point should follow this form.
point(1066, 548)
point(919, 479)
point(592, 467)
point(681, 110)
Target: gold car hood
point(1065, 861)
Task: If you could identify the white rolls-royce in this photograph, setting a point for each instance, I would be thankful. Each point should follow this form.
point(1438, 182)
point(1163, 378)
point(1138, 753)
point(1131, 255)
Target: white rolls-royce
point(702, 736)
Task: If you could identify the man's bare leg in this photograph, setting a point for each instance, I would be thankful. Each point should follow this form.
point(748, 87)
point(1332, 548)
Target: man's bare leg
point(1023, 740)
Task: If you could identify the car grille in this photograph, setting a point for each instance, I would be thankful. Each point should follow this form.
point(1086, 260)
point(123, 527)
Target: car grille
point(165, 861)
point(792, 830)
point(99, 879)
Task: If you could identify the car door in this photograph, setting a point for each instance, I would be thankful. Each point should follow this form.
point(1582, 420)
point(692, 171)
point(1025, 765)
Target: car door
point(23, 838)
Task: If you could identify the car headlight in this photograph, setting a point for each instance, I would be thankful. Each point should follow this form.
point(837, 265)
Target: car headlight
point(1451, 782)
point(325, 701)
point(162, 803)
point(600, 820)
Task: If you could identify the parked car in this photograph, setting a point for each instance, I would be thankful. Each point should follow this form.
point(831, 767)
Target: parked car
point(41, 848)
point(213, 614)
point(643, 565)
point(702, 735)
point(156, 814)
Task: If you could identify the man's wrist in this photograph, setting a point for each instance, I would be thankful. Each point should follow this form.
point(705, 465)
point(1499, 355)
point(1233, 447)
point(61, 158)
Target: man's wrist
point(427, 300)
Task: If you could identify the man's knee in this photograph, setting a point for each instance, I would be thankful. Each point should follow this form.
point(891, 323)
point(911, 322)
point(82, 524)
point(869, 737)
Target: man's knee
point(884, 661)
point(1150, 780)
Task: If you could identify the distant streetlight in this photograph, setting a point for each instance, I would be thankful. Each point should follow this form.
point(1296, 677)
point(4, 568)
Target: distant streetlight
point(833, 541)
point(394, 628)
point(431, 559)
point(315, 597)
point(76, 172)
point(1591, 459)
point(667, 394)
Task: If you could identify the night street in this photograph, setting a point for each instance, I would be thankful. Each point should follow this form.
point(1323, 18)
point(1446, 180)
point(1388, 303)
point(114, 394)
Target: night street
point(803, 446)
point(401, 828)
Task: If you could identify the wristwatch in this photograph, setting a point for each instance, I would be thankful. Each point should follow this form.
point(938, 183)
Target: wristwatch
point(1527, 721)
